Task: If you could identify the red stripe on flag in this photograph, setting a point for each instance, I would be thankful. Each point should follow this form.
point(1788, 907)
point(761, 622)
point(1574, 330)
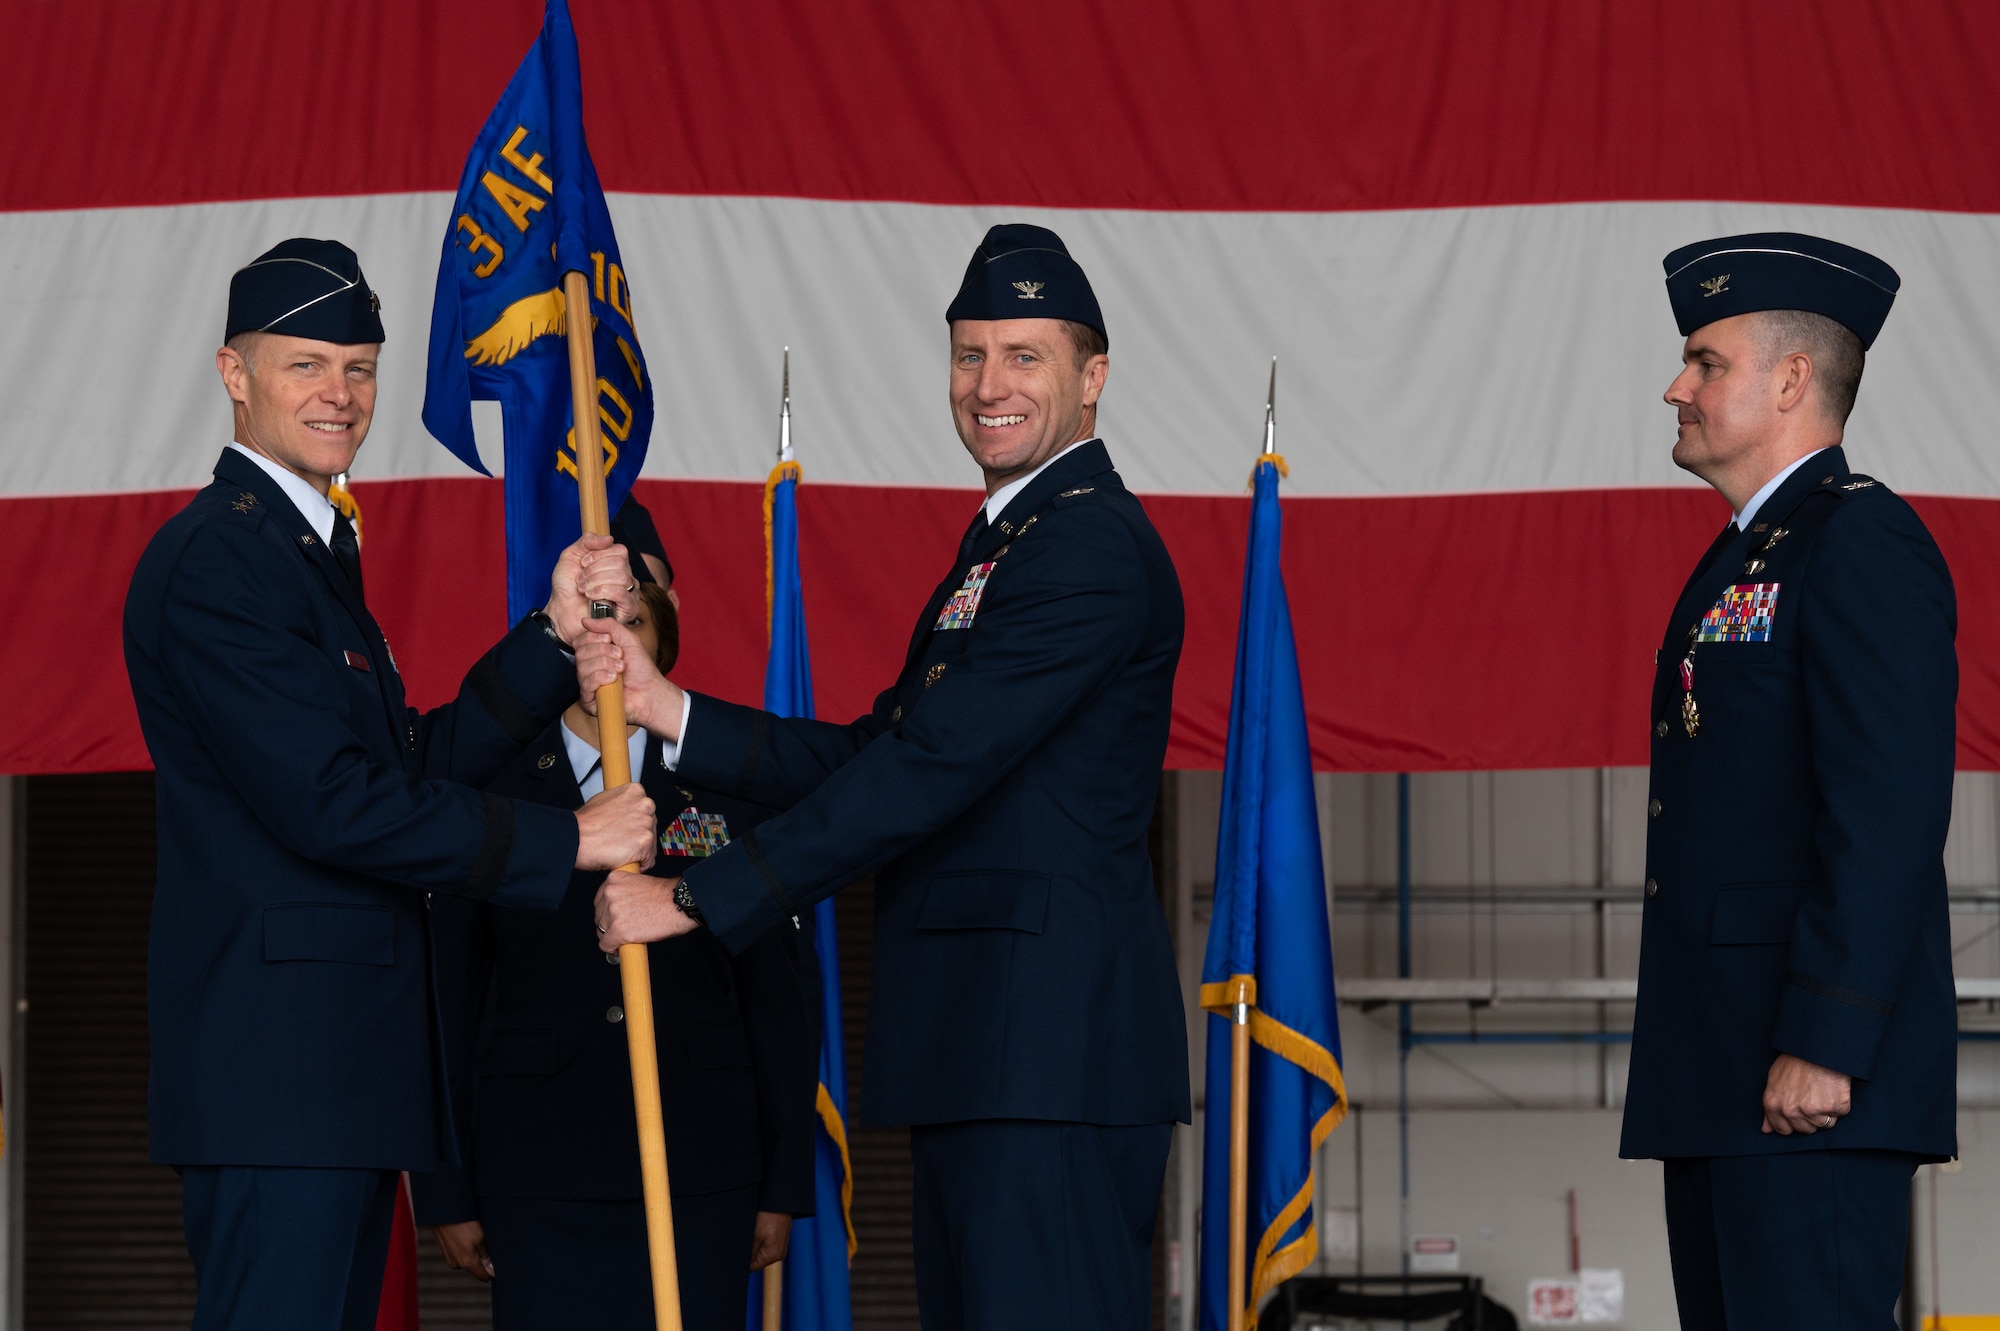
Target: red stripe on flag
point(1306, 104)
point(398, 1309)
point(1461, 632)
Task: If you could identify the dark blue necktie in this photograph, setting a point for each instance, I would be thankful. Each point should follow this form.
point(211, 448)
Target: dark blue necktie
point(346, 548)
point(972, 534)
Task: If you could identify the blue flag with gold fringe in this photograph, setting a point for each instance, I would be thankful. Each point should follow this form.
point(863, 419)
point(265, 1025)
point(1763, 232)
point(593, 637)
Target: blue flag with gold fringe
point(816, 1293)
point(529, 209)
point(1268, 945)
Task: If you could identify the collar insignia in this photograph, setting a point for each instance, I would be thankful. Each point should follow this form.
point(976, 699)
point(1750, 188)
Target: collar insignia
point(546, 761)
point(244, 502)
point(1028, 290)
point(1714, 286)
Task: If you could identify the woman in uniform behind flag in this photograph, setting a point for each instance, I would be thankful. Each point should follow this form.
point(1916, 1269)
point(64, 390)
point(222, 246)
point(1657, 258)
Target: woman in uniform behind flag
point(546, 1202)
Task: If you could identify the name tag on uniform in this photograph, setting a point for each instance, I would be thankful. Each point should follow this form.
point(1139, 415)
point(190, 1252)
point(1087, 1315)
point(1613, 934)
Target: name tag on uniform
point(695, 834)
point(359, 662)
point(964, 603)
point(1743, 613)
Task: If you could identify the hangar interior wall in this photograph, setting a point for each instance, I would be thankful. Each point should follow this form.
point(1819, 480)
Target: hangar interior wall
point(1506, 871)
point(1512, 878)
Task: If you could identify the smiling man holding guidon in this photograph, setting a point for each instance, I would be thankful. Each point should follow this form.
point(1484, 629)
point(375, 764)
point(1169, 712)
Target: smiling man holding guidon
point(1026, 1021)
point(306, 810)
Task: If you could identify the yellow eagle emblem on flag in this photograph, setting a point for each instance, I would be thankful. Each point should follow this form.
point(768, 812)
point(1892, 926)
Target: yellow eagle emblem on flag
point(543, 314)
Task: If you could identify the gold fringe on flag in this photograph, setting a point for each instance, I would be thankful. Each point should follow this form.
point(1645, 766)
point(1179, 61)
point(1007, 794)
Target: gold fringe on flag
point(1278, 459)
point(343, 500)
point(784, 471)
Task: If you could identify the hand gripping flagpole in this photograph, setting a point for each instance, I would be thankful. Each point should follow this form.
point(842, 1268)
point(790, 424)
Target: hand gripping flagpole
point(633, 970)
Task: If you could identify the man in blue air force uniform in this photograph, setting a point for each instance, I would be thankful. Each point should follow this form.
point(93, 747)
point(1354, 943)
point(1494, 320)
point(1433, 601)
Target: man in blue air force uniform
point(1794, 1051)
point(305, 810)
point(1026, 1019)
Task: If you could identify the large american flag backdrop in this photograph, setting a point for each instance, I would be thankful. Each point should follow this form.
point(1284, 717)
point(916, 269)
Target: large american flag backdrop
point(1446, 219)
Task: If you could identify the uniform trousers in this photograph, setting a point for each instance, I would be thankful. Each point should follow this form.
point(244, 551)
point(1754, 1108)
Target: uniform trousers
point(297, 1248)
point(1806, 1239)
point(560, 1264)
point(1022, 1223)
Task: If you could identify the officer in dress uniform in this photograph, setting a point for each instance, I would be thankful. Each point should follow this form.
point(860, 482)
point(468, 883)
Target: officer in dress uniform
point(1794, 1050)
point(546, 1201)
point(1026, 1017)
point(305, 811)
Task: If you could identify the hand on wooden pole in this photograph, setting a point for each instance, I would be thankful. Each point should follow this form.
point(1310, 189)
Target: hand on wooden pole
point(633, 967)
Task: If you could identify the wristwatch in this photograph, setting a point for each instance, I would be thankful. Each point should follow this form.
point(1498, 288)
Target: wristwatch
point(549, 627)
point(684, 898)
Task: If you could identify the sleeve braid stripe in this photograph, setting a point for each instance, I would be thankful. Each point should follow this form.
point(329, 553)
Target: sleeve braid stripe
point(771, 884)
point(507, 710)
point(1838, 994)
point(494, 847)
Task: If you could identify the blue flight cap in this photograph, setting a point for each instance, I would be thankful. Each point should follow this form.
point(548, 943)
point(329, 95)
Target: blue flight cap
point(305, 288)
point(1780, 270)
point(1025, 272)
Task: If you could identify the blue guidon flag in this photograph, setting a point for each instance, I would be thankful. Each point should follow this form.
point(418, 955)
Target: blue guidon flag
point(816, 1291)
point(1268, 946)
point(529, 209)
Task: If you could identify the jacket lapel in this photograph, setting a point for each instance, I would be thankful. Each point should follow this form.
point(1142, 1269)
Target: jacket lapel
point(1074, 468)
point(1723, 564)
point(238, 470)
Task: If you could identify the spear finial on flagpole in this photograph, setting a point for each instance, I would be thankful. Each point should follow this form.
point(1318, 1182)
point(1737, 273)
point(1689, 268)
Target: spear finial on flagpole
point(785, 412)
point(1271, 411)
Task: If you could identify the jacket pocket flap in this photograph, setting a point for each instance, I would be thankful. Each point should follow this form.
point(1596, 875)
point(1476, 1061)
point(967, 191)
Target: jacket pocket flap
point(986, 899)
point(1752, 915)
point(323, 931)
point(522, 1051)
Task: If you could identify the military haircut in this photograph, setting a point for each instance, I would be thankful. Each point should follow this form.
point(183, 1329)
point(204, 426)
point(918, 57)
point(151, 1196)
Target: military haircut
point(1836, 354)
point(1088, 342)
point(245, 344)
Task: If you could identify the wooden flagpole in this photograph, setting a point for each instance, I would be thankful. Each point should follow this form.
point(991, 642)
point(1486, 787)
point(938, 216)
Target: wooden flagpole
point(1239, 1145)
point(774, 1296)
point(633, 969)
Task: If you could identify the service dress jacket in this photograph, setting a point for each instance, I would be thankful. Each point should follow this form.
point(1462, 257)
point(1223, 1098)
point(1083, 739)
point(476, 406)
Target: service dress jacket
point(534, 1023)
point(305, 810)
point(1795, 891)
point(1000, 791)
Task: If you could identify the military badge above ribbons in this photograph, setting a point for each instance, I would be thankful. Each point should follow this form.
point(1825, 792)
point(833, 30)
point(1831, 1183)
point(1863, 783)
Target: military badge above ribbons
point(529, 209)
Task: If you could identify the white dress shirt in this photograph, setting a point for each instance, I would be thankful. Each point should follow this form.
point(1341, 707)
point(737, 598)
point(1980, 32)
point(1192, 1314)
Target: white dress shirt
point(588, 764)
point(996, 503)
point(316, 507)
point(1770, 488)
